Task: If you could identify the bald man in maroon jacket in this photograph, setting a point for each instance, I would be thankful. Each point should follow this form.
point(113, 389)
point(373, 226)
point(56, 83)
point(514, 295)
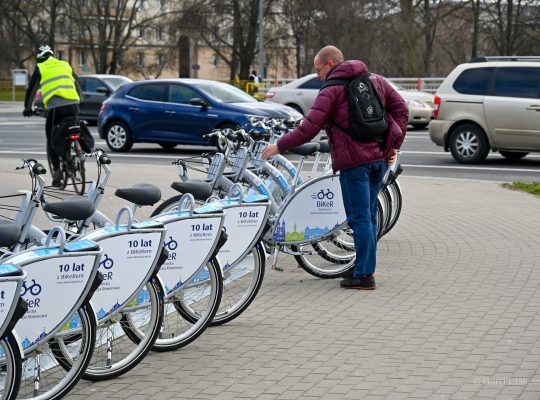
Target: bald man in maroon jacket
point(361, 165)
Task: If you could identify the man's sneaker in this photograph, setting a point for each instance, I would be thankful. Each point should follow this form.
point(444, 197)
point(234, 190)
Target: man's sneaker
point(365, 282)
point(56, 177)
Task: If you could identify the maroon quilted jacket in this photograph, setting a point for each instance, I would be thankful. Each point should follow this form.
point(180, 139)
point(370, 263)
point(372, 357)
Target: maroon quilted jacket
point(331, 103)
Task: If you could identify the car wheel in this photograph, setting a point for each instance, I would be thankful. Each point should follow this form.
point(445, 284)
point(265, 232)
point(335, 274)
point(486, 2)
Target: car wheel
point(221, 145)
point(297, 108)
point(468, 144)
point(167, 145)
point(118, 136)
point(420, 126)
point(513, 155)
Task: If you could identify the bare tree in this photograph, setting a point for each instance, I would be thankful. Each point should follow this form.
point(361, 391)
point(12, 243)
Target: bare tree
point(504, 25)
point(108, 28)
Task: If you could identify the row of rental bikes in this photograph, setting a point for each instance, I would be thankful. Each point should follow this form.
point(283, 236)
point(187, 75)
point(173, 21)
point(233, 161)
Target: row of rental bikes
point(92, 296)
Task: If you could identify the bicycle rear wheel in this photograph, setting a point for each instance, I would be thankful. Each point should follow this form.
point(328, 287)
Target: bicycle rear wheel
point(76, 171)
point(10, 367)
point(51, 370)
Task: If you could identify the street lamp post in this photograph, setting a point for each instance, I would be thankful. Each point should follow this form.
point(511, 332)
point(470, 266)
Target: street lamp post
point(261, 40)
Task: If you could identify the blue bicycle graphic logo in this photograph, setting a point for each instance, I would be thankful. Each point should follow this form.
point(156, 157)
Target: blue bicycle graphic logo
point(321, 195)
point(171, 244)
point(106, 262)
point(34, 288)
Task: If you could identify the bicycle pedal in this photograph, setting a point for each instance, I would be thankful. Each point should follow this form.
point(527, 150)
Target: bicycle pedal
point(276, 268)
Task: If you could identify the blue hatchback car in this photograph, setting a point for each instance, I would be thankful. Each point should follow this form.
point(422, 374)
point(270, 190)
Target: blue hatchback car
point(178, 111)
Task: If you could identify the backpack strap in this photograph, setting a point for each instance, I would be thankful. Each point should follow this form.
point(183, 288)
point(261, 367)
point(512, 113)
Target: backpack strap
point(345, 84)
point(335, 82)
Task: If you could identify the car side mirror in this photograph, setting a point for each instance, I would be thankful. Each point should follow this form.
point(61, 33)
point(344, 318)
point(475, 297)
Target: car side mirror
point(197, 101)
point(103, 90)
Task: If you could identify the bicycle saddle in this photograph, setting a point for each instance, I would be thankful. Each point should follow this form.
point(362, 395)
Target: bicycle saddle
point(306, 149)
point(200, 190)
point(9, 233)
point(324, 146)
point(141, 194)
point(72, 208)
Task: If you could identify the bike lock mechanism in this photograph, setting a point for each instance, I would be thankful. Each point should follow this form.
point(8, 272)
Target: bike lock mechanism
point(129, 212)
point(61, 236)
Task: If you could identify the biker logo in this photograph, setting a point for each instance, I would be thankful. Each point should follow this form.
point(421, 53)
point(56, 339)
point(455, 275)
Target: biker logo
point(324, 198)
point(171, 246)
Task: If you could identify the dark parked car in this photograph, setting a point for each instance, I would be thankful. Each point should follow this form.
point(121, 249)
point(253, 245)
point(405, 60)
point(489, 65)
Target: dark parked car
point(178, 111)
point(95, 89)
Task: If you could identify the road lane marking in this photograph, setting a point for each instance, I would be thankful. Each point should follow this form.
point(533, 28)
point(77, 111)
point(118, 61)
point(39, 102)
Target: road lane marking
point(459, 167)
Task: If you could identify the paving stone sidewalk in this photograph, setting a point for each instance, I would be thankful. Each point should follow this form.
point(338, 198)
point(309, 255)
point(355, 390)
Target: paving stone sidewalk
point(456, 316)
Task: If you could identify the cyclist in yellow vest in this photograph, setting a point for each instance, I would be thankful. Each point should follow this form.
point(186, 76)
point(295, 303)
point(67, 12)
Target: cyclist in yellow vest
point(60, 91)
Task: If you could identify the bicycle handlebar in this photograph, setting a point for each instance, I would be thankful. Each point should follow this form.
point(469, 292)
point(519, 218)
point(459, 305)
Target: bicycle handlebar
point(33, 166)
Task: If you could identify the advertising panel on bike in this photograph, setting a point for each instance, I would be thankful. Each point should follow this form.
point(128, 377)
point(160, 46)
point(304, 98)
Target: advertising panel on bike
point(190, 242)
point(9, 293)
point(244, 224)
point(315, 210)
point(54, 288)
point(127, 261)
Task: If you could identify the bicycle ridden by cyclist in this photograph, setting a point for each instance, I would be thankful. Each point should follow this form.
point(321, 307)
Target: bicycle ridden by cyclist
point(60, 91)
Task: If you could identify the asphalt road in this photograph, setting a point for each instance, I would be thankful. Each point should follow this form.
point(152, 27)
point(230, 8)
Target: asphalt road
point(24, 137)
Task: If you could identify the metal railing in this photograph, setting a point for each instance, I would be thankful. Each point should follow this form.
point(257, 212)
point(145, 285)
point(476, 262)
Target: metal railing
point(429, 85)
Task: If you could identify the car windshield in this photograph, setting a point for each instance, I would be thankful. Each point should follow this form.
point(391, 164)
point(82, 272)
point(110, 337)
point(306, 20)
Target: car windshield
point(116, 82)
point(225, 93)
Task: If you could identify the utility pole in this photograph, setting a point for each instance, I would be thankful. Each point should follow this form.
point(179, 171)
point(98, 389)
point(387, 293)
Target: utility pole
point(261, 40)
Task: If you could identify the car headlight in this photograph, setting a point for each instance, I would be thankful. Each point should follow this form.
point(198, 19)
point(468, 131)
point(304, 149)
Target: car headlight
point(254, 118)
point(416, 103)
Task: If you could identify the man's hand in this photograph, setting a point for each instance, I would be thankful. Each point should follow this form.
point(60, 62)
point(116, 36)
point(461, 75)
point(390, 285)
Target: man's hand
point(391, 158)
point(27, 112)
point(269, 151)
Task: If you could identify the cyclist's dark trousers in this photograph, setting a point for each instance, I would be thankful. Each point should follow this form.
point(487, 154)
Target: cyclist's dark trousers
point(55, 116)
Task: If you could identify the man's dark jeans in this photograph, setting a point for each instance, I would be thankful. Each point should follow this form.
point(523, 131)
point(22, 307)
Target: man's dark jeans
point(53, 117)
point(360, 187)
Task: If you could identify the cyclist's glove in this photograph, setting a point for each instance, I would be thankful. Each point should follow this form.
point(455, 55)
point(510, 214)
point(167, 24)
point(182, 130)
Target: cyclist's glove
point(27, 112)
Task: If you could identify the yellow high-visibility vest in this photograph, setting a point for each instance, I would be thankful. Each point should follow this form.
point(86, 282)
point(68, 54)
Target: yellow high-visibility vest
point(57, 80)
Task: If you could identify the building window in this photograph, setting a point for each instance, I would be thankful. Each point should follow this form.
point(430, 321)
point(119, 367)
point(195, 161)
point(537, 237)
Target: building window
point(160, 59)
point(60, 55)
point(140, 59)
point(159, 33)
point(82, 57)
point(162, 4)
point(215, 60)
point(141, 32)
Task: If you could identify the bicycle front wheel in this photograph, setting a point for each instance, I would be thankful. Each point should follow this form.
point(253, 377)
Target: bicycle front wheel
point(117, 353)
point(10, 367)
point(241, 283)
point(189, 311)
point(51, 370)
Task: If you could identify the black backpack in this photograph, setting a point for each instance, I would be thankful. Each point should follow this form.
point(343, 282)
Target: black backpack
point(366, 112)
